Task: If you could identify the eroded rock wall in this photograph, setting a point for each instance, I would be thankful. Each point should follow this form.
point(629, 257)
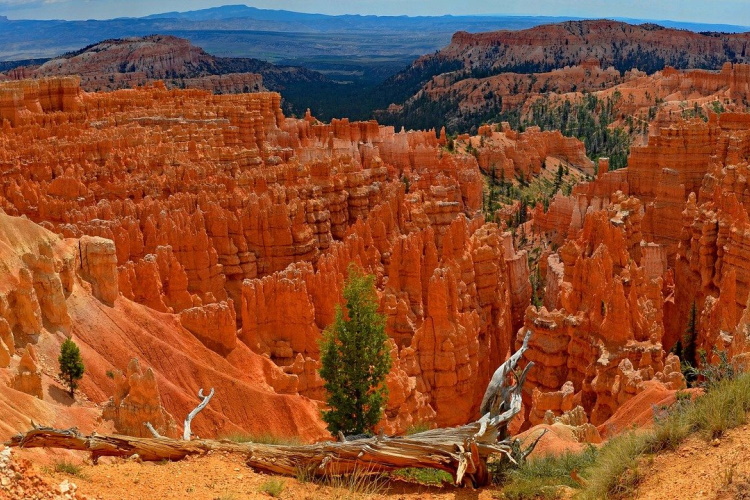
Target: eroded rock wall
point(675, 226)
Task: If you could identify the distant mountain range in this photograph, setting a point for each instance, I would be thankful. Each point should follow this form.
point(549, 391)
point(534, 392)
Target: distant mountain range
point(437, 87)
point(274, 35)
point(125, 62)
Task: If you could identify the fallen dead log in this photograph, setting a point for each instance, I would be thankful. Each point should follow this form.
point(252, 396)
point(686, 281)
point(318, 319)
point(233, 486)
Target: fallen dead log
point(458, 451)
point(461, 451)
point(115, 445)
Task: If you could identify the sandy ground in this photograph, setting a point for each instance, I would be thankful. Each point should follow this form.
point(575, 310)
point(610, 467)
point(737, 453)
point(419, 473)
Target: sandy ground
point(220, 476)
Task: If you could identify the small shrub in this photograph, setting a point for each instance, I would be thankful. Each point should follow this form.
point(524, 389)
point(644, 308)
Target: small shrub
point(355, 359)
point(305, 474)
point(669, 434)
point(417, 428)
point(724, 405)
point(708, 374)
point(71, 365)
point(261, 439)
point(360, 483)
point(431, 477)
point(615, 473)
point(65, 467)
point(272, 487)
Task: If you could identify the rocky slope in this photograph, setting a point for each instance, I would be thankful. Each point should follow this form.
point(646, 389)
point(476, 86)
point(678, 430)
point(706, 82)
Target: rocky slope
point(127, 62)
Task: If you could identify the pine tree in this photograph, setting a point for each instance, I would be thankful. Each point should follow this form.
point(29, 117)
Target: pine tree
point(355, 359)
point(688, 339)
point(71, 365)
point(559, 177)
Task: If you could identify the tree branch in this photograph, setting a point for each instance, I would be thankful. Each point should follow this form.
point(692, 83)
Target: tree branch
point(497, 392)
point(192, 414)
point(153, 431)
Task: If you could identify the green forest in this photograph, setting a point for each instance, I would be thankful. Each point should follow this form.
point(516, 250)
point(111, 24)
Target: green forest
point(589, 120)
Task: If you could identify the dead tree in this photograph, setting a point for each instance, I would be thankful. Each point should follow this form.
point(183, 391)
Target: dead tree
point(461, 451)
point(192, 414)
point(186, 428)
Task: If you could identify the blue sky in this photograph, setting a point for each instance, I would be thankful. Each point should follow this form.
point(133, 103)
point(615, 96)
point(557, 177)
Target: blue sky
point(703, 11)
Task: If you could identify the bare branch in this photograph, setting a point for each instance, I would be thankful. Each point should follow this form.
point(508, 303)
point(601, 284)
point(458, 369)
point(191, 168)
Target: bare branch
point(525, 453)
point(497, 393)
point(153, 431)
point(192, 414)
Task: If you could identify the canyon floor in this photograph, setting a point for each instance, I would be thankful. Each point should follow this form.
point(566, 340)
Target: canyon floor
point(217, 476)
point(700, 469)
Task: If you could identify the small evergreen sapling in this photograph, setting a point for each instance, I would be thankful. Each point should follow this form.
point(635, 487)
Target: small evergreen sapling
point(355, 359)
point(71, 365)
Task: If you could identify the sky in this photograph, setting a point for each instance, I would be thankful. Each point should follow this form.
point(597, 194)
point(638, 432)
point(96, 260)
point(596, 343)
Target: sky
point(703, 11)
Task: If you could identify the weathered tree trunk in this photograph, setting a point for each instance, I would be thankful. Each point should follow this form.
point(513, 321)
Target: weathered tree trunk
point(148, 449)
point(186, 434)
point(461, 451)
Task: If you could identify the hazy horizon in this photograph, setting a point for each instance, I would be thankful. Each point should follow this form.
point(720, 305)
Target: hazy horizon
point(731, 12)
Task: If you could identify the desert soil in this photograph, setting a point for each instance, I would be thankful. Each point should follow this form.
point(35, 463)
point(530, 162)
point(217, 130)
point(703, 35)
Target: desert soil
point(220, 476)
point(700, 469)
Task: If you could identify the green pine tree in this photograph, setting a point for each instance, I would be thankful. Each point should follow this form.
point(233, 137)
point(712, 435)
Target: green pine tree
point(71, 365)
point(559, 177)
point(355, 359)
point(690, 335)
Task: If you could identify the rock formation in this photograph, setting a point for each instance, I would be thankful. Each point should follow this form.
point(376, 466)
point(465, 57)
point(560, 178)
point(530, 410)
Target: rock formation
point(136, 402)
point(210, 234)
point(28, 377)
point(602, 336)
point(99, 267)
point(509, 154)
point(676, 238)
